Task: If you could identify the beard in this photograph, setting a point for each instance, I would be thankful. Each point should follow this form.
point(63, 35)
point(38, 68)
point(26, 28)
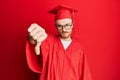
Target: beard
point(65, 34)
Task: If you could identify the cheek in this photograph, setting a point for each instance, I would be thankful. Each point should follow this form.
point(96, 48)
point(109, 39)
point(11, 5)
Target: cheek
point(70, 31)
point(59, 31)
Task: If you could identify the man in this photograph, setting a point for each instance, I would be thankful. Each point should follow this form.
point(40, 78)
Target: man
point(57, 57)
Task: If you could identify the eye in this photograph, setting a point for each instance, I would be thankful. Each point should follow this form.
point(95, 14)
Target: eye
point(67, 25)
point(59, 25)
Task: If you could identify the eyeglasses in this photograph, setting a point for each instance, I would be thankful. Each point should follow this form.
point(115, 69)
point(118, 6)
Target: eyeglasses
point(66, 26)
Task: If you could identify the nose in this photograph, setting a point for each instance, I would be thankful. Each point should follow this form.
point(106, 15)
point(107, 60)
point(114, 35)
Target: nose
point(63, 28)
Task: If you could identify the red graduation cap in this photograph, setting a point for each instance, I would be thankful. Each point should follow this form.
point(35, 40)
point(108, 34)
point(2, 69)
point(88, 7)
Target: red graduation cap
point(62, 12)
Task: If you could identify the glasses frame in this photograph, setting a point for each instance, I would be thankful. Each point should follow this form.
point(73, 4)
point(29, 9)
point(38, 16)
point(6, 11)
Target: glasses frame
point(66, 26)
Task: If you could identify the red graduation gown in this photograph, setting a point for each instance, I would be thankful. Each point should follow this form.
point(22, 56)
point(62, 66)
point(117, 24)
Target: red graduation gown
point(55, 63)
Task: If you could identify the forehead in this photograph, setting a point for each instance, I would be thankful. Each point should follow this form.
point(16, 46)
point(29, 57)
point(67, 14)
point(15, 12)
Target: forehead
point(64, 21)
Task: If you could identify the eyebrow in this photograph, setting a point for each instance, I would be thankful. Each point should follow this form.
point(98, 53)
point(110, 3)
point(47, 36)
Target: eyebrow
point(64, 24)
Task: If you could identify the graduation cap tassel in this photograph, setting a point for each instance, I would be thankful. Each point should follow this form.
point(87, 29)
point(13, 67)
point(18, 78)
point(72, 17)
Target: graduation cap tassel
point(73, 21)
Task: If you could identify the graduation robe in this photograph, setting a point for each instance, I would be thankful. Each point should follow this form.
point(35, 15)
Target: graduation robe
point(56, 63)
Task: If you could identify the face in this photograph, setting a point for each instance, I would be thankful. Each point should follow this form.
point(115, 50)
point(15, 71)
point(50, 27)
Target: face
point(64, 27)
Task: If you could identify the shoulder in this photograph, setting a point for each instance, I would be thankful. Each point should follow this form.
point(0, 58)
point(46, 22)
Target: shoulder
point(77, 48)
point(77, 44)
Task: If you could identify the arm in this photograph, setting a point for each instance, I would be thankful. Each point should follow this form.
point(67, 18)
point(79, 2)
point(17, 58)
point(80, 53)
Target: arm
point(35, 37)
point(32, 58)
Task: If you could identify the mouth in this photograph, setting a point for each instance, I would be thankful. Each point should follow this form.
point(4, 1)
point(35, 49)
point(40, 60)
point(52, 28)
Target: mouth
point(64, 32)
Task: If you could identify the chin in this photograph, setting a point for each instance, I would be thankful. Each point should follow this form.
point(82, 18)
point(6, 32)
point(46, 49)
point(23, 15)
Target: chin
point(65, 37)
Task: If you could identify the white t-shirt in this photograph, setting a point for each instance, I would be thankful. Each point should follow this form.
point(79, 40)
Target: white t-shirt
point(66, 43)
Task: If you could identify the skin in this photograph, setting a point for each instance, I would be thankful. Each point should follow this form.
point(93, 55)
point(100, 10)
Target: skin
point(37, 34)
point(64, 33)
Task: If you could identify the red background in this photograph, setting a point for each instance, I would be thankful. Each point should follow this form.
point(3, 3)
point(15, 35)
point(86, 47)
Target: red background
point(97, 27)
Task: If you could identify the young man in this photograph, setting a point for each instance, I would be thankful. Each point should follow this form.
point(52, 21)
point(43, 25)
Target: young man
point(57, 57)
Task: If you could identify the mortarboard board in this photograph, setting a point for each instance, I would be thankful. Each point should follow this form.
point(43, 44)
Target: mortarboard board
point(62, 12)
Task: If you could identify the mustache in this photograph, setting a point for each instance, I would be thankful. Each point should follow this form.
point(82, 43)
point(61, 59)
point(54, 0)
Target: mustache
point(64, 32)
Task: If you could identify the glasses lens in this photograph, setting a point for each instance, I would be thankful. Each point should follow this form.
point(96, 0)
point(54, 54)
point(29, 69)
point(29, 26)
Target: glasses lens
point(66, 26)
point(59, 26)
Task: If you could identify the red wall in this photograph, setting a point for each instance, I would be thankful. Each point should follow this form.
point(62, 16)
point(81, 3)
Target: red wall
point(97, 27)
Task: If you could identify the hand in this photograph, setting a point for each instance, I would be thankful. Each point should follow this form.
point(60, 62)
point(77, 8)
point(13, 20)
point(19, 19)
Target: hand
point(38, 34)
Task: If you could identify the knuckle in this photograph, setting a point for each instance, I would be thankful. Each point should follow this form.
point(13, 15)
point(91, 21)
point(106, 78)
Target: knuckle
point(34, 37)
point(31, 34)
point(38, 40)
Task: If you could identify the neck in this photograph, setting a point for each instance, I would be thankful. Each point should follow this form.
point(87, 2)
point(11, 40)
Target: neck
point(66, 39)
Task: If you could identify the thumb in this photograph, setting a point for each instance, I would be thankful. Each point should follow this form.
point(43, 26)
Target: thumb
point(37, 48)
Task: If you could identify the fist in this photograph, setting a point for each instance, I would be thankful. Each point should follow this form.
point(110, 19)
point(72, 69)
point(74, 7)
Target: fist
point(37, 35)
